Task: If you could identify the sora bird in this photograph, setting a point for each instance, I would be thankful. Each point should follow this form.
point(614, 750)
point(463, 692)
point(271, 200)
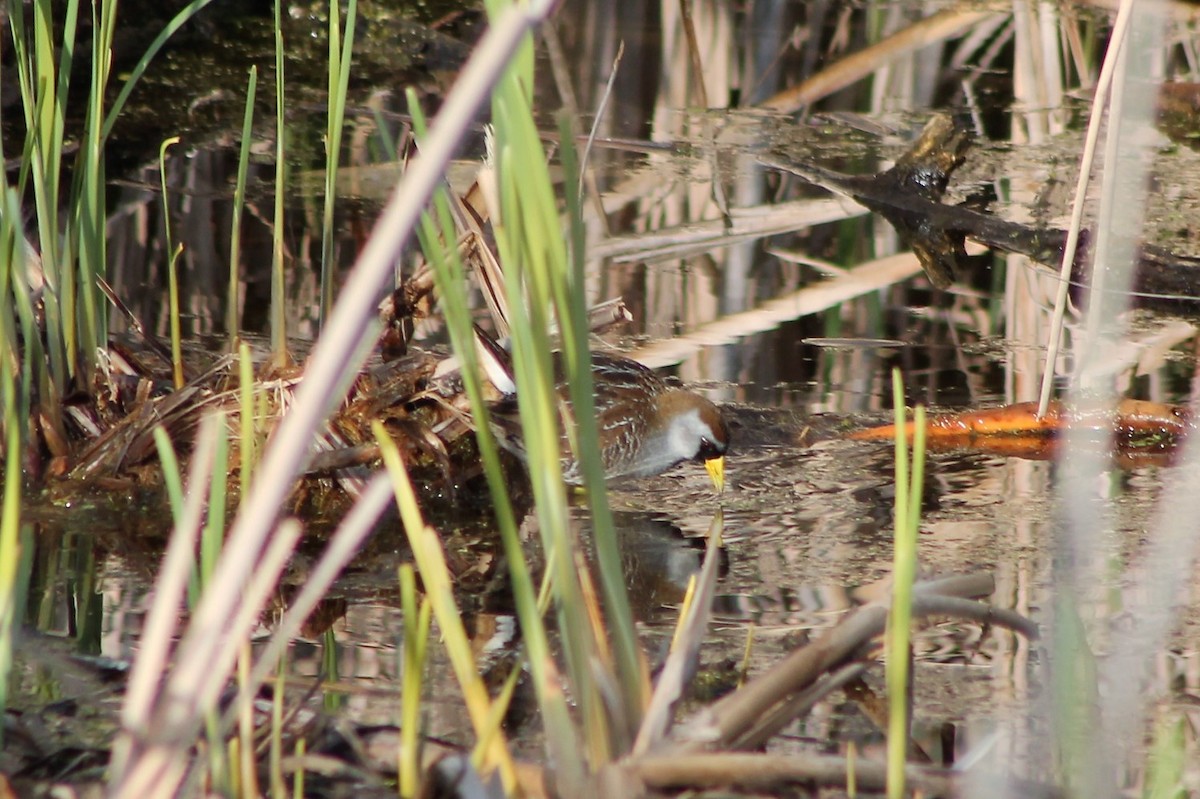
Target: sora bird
point(646, 426)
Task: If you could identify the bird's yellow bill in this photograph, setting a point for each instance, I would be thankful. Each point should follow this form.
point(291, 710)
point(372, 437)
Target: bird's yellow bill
point(716, 470)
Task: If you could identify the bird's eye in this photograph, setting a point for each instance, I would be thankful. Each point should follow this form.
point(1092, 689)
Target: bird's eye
point(708, 450)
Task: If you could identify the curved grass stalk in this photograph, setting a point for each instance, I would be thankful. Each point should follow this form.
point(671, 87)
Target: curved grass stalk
point(174, 251)
point(1099, 105)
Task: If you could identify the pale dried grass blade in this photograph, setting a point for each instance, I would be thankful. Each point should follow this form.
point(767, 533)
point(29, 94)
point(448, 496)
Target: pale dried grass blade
point(169, 587)
point(938, 27)
point(1099, 104)
point(744, 224)
point(871, 276)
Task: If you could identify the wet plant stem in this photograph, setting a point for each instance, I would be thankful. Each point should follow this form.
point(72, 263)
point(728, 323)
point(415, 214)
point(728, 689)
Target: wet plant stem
point(1095, 119)
point(173, 253)
point(412, 674)
point(904, 567)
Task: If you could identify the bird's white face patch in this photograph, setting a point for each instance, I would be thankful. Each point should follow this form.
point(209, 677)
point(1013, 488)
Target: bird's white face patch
point(686, 433)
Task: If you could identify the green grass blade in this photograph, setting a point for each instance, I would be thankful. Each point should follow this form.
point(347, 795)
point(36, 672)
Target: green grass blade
point(14, 283)
point(232, 319)
point(341, 50)
point(412, 676)
point(173, 483)
point(528, 259)
point(172, 476)
point(42, 155)
point(87, 240)
point(139, 69)
point(212, 538)
point(571, 303)
point(10, 525)
point(1167, 763)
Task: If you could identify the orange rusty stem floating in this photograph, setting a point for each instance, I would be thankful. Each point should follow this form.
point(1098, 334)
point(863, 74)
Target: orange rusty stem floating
point(1017, 430)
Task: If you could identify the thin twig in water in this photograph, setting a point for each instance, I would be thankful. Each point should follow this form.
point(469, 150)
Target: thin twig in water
point(591, 139)
point(562, 80)
point(1120, 29)
point(685, 650)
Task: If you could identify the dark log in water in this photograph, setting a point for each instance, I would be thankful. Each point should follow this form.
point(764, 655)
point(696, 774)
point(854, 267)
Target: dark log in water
point(909, 196)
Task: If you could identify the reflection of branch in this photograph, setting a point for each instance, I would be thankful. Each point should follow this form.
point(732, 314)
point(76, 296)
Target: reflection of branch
point(747, 718)
point(766, 771)
point(730, 719)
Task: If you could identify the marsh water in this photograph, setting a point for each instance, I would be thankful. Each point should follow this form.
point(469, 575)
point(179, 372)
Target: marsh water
point(807, 519)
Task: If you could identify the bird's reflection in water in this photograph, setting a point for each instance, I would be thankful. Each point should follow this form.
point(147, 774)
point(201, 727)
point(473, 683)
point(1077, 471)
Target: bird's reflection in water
point(657, 559)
